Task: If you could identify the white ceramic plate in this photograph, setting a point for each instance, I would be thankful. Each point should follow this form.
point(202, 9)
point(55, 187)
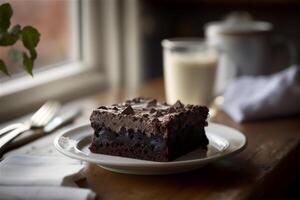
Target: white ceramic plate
point(223, 142)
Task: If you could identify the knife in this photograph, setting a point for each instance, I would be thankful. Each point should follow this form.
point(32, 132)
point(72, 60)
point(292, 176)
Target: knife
point(61, 120)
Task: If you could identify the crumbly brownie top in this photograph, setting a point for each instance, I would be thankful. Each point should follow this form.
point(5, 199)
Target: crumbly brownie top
point(147, 115)
point(149, 108)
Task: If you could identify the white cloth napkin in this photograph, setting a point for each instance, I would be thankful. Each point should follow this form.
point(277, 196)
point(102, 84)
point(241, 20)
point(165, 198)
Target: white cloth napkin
point(262, 97)
point(41, 175)
point(44, 193)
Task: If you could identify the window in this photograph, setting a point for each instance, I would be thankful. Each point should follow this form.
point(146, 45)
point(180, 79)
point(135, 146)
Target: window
point(56, 21)
point(85, 45)
point(69, 54)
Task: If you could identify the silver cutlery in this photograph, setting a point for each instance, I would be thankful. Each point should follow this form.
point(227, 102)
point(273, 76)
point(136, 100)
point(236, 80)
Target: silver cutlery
point(58, 121)
point(61, 120)
point(39, 120)
point(9, 128)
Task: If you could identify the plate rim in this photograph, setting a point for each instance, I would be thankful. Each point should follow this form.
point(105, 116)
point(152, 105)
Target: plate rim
point(145, 163)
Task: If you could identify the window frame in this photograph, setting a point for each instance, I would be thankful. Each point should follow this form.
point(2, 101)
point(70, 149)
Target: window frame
point(23, 94)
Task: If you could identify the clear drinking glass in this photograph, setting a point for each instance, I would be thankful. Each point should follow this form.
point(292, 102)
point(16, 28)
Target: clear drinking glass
point(189, 70)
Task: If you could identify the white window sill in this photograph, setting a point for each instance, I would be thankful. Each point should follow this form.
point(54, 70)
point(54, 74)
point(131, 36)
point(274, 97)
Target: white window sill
point(62, 83)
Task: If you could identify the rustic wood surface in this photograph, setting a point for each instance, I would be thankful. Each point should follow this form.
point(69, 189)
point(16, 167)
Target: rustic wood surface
point(262, 171)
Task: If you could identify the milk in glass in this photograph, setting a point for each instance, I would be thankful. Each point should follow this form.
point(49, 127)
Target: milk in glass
point(189, 75)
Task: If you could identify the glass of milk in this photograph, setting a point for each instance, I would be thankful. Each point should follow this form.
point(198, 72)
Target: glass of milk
point(189, 70)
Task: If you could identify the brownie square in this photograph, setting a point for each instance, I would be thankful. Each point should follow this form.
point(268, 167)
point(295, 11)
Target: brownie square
point(143, 128)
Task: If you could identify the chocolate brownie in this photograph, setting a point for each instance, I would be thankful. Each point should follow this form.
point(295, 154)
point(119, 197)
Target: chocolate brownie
point(146, 129)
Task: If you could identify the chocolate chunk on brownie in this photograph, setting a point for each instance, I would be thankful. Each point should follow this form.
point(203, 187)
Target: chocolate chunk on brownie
point(146, 129)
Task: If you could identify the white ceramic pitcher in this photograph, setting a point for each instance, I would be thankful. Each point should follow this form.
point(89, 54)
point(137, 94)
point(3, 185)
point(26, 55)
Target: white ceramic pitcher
point(247, 47)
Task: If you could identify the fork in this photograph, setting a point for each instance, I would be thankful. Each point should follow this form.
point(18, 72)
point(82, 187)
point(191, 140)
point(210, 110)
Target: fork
point(38, 120)
point(9, 128)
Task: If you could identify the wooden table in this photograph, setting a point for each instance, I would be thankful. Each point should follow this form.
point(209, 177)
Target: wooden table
point(268, 164)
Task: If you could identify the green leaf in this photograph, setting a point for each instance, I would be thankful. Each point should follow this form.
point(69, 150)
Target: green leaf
point(30, 37)
point(5, 14)
point(16, 30)
point(3, 68)
point(7, 39)
point(33, 54)
point(28, 63)
point(11, 37)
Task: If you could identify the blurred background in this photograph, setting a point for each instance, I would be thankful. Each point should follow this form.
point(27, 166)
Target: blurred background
point(166, 19)
point(90, 45)
point(157, 20)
